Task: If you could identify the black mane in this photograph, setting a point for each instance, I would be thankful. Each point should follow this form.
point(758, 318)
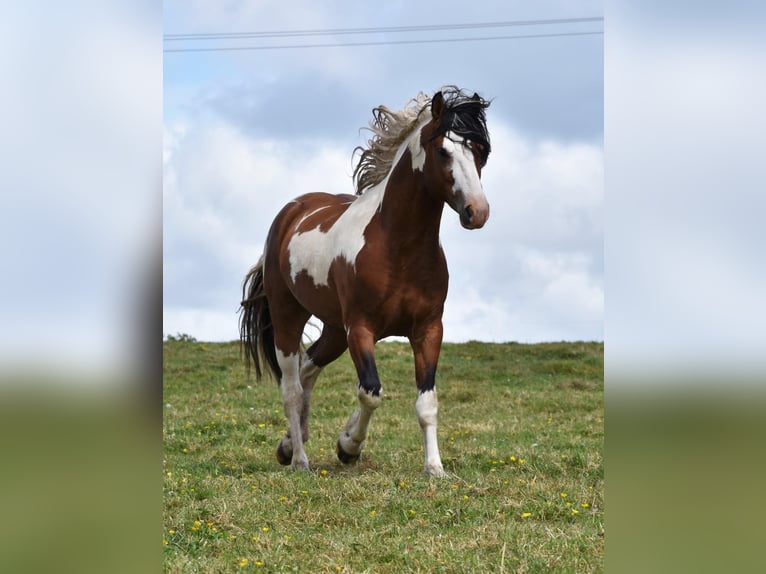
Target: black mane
point(464, 116)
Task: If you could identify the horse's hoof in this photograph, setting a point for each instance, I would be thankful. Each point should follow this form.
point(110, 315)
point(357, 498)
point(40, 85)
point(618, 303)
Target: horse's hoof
point(343, 456)
point(436, 472)
point(283, 458)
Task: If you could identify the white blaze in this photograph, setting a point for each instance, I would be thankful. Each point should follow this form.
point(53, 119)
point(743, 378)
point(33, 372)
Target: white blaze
point(464, 172)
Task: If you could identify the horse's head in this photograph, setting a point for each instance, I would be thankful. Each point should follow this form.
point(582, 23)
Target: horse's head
point(456, 147)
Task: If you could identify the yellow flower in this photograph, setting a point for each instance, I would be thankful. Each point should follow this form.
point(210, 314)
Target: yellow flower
point(323, 472)
point(265, 528)
point(526, 514)
point(254, 538)
point(243, 562)
point(165, 542)
point(171, 531)
point(372, 513)
point(261, 426)
point(402, 484)
point(258, 563)
point(282, 498)
point(585, 505)
point(563, 494)
point(512, 459)
point(575, 512)
point(413, 512)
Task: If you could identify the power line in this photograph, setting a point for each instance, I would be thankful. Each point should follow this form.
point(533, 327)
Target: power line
point(380, 43)
point(375, 30)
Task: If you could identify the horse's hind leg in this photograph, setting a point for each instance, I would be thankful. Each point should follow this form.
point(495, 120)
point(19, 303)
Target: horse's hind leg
point(361, 344)
point(292, 399)
point(288, 319)
point(330, 345)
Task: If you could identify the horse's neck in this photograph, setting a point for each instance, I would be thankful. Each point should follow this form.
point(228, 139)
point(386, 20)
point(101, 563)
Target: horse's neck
point(409, 214)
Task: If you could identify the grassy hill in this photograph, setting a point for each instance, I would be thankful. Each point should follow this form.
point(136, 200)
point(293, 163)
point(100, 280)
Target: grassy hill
point(520, 433)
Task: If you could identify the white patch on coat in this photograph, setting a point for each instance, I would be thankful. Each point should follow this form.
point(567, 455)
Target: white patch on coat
point(310, 213)
point(417, 153)
point(314, 251)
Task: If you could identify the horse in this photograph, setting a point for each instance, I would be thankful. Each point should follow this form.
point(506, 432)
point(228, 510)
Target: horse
point(369, 266)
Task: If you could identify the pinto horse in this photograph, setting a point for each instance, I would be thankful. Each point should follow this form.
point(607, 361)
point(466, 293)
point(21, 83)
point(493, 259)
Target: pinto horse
point(369, 266)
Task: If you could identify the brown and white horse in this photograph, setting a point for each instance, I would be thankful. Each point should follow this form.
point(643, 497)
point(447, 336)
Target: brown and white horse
point(369, 266)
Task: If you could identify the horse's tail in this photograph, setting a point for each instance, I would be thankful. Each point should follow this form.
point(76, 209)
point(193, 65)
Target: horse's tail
point(256, 333)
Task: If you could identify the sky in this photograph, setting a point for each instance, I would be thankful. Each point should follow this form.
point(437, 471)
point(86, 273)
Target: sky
point(246, 131)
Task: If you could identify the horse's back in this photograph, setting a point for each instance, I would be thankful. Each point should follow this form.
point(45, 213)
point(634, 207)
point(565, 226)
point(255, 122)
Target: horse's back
point(300, 247)
point(310, 211)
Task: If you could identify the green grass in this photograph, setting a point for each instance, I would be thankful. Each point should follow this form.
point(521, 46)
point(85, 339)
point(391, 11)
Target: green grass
point(520, 433)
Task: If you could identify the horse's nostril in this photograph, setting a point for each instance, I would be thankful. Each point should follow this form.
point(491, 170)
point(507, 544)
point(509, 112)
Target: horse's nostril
point(468, 212)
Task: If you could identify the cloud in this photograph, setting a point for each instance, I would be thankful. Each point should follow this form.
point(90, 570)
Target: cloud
point(533, 273)
point(546, 87)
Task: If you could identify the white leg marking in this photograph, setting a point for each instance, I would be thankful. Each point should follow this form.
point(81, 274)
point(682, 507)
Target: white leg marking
point(308, 376)
point(427, 407)
point(292, 399)
point(352, 439)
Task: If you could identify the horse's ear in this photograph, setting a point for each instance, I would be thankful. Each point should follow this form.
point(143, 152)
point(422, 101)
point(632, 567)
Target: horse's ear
point(476, 96)
point(437, 105)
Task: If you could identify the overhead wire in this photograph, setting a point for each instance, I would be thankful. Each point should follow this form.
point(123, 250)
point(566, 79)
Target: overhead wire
point(225, 36)
point(376, 30)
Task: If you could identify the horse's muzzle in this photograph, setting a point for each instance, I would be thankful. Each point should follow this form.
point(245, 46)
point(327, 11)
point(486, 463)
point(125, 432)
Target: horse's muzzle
point(474, 216)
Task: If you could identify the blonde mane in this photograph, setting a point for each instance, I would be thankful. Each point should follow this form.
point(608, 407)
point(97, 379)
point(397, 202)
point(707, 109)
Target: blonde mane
point(389, 131)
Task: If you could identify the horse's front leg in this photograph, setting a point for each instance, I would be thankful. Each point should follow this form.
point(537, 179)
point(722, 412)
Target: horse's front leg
point(426, 346)
point(361, 345)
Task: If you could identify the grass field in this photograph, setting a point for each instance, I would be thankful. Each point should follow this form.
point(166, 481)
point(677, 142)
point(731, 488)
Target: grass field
point(520, 433)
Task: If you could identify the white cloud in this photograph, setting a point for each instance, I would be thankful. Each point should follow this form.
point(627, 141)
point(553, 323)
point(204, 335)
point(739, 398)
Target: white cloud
point(533, 273)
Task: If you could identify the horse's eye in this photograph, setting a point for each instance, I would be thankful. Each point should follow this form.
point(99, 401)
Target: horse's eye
point(443, 153)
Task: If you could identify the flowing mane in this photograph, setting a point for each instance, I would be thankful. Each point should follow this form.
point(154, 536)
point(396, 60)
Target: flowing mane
point(464, 115)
